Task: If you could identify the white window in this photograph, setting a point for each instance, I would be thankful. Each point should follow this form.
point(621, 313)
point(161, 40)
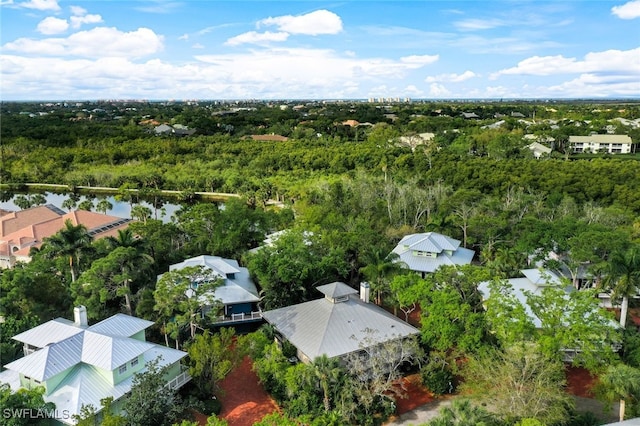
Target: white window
point(122, 369)
point(134, 362)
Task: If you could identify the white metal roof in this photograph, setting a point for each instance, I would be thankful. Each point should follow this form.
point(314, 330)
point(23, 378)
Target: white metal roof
point(221, 266)
point(336, 289)
point(121, 325)
point(49, 332)
point(448, 252)
point(335, 329)
point(534, 281)
point(109, 352)
point(106, 352)
point(84, 385)
point(50, 360)
point(237, 288)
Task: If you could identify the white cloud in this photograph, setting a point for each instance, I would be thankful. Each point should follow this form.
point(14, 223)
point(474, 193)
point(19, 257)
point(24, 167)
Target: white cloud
point(257, 73)
point(616, 61)
point(314, 23)
point(51, 25)
point(184, 37)
point(629, 10)
point(78, 11)
point(197, 46)
point(418, 61)
point(438, 91)
point(451, 78)
point(596, 86)
point(478, 24)
point(257, 38)
point(40, 5)
point(77, 21)
point(97, 42)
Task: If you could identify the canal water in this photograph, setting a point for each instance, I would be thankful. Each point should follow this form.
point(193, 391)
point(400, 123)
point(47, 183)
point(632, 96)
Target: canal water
point(120, 208)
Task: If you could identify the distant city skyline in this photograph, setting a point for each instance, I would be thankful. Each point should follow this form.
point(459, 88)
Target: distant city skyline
point(421, 49)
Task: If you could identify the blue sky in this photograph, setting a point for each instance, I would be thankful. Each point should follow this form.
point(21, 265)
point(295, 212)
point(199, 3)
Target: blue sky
point(170, 49)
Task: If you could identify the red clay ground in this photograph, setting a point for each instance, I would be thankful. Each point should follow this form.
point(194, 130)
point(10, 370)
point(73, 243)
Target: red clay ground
point(244, 401)
point(579, 382)
point(417, 395)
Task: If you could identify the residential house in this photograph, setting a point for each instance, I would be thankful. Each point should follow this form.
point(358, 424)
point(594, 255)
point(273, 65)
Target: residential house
point(413, 141)
point(336, 325)
point(238, 294)
point(538, 150)
point(78, 365)
point(175, 130)
point(24, 229)
point(534, 281)
point(612, 144)
point(426, 252)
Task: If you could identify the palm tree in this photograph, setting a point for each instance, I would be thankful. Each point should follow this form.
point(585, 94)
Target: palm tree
point(619, 382)
point(104, 205)
point(462, 413)
point(328, 373)
point(71, 241)
point(381, 265)
point(622, 277)
point(126, 238)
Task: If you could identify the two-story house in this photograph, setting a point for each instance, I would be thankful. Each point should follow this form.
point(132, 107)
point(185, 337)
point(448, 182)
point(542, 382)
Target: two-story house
point(426, 252)
point(238, 294)
point(78, 365)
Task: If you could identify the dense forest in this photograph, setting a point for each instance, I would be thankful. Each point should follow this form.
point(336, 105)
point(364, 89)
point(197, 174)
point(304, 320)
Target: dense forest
point(347, 194)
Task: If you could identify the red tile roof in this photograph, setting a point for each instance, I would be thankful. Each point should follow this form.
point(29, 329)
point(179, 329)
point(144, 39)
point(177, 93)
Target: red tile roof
point(21, 230)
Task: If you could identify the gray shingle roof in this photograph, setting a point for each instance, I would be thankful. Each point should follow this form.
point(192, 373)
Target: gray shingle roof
point(335, 329)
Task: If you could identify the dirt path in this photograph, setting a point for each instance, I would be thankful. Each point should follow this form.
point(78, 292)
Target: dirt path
point(244, 401)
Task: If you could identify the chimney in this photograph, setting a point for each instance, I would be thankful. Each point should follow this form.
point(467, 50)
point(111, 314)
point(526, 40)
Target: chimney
point(364, 292)
point(80, 316)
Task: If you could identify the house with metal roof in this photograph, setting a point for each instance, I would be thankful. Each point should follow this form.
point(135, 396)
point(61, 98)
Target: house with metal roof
point(338, 324)
point(426, 252)
point(534, 281)
point(78, 365)
point(238, 293)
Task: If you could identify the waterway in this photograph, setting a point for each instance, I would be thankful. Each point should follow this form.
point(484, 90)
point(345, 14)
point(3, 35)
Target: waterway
point(120, 208)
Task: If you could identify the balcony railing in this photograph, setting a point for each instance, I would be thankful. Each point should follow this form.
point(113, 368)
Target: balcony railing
point(179, 381)
point(252, 316)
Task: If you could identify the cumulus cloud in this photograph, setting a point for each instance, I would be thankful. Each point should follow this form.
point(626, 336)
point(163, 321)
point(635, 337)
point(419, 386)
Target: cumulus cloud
point(596, 86)
point(314, 23)
point(40, 5)
point(451, 78)
point(616, 61)
point(438, 91)
point(629, 10)
point(52, 25)
point(257, 38)
point(80, 17)
point(97, 42)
